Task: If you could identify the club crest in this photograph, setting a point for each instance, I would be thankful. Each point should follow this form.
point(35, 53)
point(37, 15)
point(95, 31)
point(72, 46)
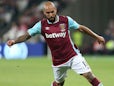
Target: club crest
point(62, 27)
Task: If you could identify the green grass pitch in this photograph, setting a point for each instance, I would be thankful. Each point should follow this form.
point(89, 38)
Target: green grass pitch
point(38, 72)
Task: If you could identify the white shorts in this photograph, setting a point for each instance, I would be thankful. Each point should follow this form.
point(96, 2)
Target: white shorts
point(77, 63)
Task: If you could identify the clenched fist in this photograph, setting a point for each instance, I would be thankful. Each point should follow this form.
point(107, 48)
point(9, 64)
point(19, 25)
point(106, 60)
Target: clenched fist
point(10, 42)
point(101, 40)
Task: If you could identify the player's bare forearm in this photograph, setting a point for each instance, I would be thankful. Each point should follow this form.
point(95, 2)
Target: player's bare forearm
point(92, 34)
point(88, 31)
point(22, 38)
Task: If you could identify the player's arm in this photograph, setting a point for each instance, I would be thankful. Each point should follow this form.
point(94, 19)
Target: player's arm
point(36, 29)
point(88, 31)
point(74, 25)
point(20, 39)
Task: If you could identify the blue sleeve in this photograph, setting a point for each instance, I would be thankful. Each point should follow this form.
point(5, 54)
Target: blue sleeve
point(72, 23)
point(36, 29)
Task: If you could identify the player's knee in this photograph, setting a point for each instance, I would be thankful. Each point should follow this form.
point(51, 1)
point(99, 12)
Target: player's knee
point(89, 76)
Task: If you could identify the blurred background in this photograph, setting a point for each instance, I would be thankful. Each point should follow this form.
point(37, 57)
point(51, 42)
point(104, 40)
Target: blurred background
point(17, 16)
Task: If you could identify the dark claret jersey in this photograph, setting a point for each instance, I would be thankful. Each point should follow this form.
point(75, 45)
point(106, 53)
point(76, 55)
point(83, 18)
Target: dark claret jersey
point(57, 36)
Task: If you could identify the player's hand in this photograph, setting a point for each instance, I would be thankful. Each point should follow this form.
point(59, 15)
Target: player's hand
point(10, 42)
point(101, 40)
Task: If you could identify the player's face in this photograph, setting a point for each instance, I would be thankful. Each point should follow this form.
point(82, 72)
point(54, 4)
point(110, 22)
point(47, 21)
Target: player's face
point(50, 13)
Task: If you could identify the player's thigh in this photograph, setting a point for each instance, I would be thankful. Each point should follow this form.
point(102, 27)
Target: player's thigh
point(79, 65)
point(60, 73)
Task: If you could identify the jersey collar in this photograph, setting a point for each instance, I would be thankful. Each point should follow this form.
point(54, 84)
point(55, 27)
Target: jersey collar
point(56, 20)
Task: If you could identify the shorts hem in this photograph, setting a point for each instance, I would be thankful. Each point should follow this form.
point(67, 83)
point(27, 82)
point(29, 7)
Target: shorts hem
point(84, 72)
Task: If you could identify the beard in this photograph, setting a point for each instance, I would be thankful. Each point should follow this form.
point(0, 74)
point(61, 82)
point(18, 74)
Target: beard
point(52, 19)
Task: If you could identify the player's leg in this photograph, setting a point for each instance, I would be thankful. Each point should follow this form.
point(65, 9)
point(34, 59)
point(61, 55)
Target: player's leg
point(57, 84)
point(92, 79)
point(80, 66)
point(59, 75)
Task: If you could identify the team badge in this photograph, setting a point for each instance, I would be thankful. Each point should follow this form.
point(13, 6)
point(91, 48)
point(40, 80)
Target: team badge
point(46, 28)
point(62, 27)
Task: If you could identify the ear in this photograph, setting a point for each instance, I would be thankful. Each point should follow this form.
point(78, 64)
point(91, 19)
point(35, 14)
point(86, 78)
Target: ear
point(44, 12)
point(56, 10)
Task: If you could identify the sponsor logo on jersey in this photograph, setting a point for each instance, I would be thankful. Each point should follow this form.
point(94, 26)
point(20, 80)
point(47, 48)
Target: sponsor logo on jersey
point(56, 35)
point(62, 27)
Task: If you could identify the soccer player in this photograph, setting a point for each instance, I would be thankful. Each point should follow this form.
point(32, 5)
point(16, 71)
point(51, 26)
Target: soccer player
point(65, 55)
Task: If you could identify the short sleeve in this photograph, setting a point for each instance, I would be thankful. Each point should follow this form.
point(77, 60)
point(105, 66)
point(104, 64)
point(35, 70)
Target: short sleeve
point(36, 29)
point(72, 23)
